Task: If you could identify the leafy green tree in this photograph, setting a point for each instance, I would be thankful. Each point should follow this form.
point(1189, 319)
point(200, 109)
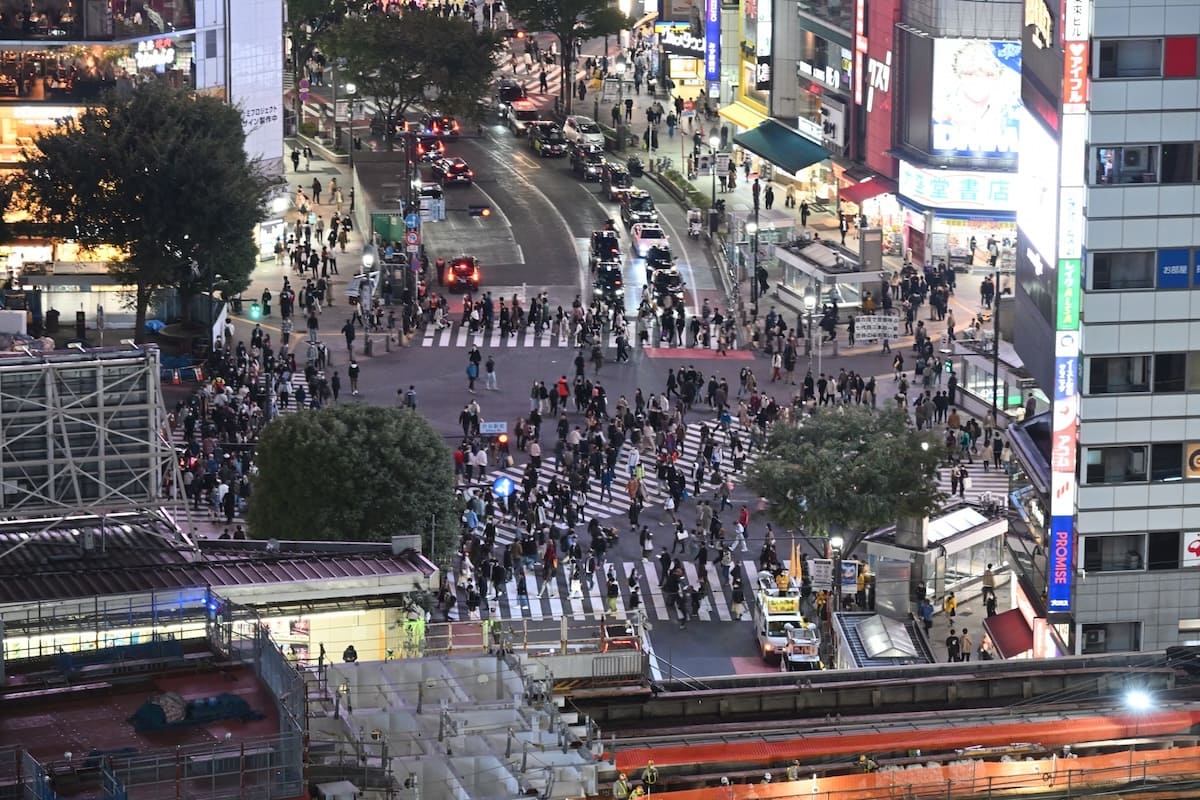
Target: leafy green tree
point(422, 57)
point(850, 470)
point(355, 473)
point(570, 21)
point(160, 174)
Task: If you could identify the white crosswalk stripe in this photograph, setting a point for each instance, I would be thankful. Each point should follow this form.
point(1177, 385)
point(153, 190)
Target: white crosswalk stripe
point(605, 506)
point(991, 480)
point(457, 335)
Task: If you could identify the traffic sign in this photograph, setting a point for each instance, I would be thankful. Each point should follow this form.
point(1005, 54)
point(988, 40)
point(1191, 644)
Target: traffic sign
point(412, 238)
point(502, 486)
point(412, 220)
point(492, 428)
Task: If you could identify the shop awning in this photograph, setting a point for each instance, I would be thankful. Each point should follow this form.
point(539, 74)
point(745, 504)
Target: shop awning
point(741, 115)
point(866, 190)
point(782, 146)
point(1010, 633)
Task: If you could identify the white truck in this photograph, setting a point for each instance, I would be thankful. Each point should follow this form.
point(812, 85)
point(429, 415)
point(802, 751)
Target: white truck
point(776, 605)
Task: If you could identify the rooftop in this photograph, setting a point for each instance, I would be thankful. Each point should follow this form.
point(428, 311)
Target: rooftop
point(133, 553)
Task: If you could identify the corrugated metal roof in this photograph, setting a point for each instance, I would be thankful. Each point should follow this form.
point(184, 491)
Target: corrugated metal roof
point(87, 559)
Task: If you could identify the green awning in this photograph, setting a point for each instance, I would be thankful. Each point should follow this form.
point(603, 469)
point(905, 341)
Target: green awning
point(782, 146)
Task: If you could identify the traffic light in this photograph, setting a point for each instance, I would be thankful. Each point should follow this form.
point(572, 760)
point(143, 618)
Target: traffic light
point(516, 34)
point(480, 210)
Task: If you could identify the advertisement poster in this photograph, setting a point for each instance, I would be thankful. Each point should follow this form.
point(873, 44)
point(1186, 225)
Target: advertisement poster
point(255, 74)
point(1062, 563)
point(686, 12)
point(712, 44)
point(976, 98)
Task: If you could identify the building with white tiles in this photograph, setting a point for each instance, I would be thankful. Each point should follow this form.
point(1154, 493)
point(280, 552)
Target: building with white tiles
point(1109, 272)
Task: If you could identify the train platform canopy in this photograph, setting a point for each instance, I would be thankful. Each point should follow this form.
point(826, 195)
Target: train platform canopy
point(138, 552)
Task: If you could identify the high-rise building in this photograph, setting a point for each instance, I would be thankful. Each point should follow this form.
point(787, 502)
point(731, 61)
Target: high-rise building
point(1108, 299)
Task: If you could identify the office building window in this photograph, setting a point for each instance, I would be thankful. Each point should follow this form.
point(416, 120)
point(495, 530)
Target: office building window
point(1166, 461)
point(1113, 553)
point(1170, 372)
point(1130, 58)
point(1118, 374)
point(1119, 464)
point(1125, 165)
point(1126, 269)
point(1163, 550)
point(1178, 162)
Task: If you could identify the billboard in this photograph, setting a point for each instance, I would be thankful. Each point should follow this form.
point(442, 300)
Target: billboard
point(1042, 60)
point(959, 189)
point(1037, 182)
point(976, 98)
point(683, 13)
point(255, 28)
point(712, 46)
point(874, 38)
point(677, 39)
point(1062, 563)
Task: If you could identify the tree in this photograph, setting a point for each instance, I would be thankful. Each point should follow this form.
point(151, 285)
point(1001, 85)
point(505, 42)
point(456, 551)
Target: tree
point(355, 473)
point(852, 469)
point(402, 62)
point(570, 21)
point(308, 22)
point(161, 175)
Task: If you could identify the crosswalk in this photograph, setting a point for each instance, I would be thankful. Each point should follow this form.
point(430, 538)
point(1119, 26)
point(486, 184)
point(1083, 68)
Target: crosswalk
point(603, 505)
point(556, 600)
point(457, 335)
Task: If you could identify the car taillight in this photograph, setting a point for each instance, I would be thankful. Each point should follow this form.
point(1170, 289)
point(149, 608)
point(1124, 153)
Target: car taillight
point(616, 283)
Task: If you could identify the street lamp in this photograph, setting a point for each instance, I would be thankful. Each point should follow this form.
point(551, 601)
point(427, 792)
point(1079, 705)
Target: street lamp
point(810, 305)
point(365, 295)
point(836, 543)
point(714, 142)
point(351, 90)
point(752, 229)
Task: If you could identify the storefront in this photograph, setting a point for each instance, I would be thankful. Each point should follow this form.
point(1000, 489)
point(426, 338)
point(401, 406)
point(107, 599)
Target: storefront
point(779, 153)
point(875, 199)
point(944, 209)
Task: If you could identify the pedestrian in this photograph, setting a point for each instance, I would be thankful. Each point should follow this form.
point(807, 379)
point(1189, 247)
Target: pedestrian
point(844, 227)
point(965, 646)
point(316, 191)
point(410, 398)
point(295, 160)
point(308, 154)
point(628, 109)
point(349, 333)
point(789, 197)
point(804, 212)
point(769, 197)
point(950, 607)
point(756, 192)
point(953, 647)
point(335, 385)
point(352, 374)
point(472, 376)
point(988, 582)
point(543, 82)
point(490, 371)
point(739, 599)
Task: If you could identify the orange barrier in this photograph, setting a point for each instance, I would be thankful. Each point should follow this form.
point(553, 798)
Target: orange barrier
point(976, 778)
point(1050, 733)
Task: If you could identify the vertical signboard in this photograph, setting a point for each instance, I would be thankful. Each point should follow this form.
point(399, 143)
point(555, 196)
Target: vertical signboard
point(1071, 221)
point(874, 34)
point(712, 48)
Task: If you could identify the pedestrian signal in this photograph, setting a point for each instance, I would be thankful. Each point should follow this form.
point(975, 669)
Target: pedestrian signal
point(480, 211)
point(255, 311)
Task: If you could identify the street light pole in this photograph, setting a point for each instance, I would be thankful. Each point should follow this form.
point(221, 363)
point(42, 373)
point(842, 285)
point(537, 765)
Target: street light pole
point(837, 543)
point(351, 90)
point(752, 229)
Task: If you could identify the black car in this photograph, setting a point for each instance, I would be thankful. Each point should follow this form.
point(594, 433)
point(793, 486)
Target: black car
point(588, 162)
point(436, 124)
point(429, 148)
point(546, 139)
point(508, 91)
point(452, 170)
point(617, 181)
point(605, 247)
point(668, 287)
point(609, 283)
point(638, 206)
point(461, 273)
point(379, 126)
point(658, 259)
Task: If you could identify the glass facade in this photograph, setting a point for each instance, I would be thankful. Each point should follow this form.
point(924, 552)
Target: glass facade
point(93, 20)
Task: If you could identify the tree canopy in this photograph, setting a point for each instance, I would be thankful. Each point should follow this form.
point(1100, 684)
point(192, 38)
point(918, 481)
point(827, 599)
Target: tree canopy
point(848, 470)
point(570, 21)
point(162, 175)
point(308, 22)
point(421, 57)
point(354, 473)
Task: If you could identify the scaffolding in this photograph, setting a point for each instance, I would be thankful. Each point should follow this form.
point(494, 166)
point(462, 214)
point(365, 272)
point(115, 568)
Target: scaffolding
point(82, 430)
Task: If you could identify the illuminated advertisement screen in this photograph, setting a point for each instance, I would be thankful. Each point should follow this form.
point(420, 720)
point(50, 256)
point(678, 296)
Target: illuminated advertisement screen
point(712, 44)
point(1037, 214)
point(1062, 563)
point(976, 98)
